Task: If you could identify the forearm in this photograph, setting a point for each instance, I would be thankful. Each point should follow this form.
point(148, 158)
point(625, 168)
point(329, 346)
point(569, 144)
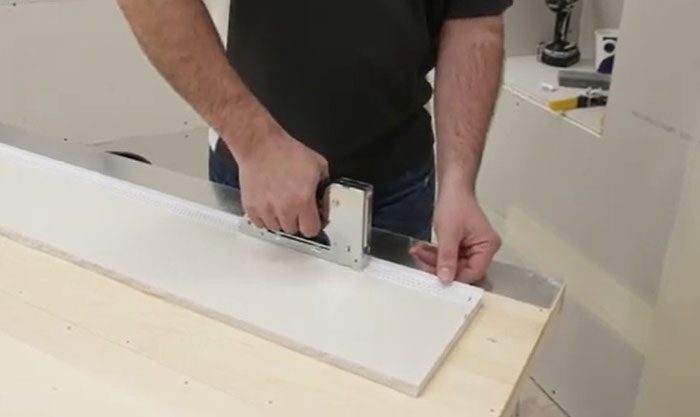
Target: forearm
point(468, 77)
point(180, 39)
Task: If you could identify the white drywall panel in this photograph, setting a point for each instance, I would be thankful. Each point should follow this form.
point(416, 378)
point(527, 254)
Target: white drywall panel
point(669, 384)
point(611, 202)
point(73, 69)
point(658, 93)
point(657, 85)
point(614, 199)
point(655, 102)
point(613, 318)
point(586, 367)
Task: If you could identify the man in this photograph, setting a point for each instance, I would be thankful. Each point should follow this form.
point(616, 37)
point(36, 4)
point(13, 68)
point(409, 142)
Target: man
point(312, 88)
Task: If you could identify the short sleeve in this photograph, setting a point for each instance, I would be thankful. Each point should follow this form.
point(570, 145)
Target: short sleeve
point(456, 9)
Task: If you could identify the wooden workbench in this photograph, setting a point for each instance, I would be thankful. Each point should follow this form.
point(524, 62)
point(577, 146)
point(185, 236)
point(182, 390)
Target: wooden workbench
point(73, 342)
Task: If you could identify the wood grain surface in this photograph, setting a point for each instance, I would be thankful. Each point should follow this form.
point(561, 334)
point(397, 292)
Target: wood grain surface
point(73, 342)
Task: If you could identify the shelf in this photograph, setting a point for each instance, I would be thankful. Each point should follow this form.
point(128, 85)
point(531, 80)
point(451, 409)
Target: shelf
point(524, 76)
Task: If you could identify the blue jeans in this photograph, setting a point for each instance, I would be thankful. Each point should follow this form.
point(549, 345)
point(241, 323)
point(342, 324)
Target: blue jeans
point(403, 206)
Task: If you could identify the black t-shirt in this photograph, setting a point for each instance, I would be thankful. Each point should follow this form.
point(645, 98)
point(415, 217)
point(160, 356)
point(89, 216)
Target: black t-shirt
point(347, 77)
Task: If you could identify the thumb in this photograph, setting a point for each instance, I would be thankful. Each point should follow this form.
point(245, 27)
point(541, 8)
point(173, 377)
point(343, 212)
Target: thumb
point(448, 254)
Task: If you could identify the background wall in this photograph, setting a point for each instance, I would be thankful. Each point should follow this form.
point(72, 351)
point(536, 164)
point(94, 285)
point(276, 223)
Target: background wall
point(669, 385)
point(528, 22)
point(547, 179)
point(602, 211)
point(71, 69)
point(670, 111)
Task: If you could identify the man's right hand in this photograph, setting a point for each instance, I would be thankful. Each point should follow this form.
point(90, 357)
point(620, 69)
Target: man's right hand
point(278, 179)
point(278, 175)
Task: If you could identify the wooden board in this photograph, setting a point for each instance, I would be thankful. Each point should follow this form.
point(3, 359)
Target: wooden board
point(76, 343)
point(367, 324)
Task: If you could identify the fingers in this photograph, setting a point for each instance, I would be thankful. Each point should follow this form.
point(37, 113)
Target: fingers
point(427, 268)
point(309, 218)
point(291, 211)
point(425, 257)
point(478, 259)
point(285, 219)
point(474, 270)
point(278, 188)
point(448, 253)
point(257, 221)
point(472, 263)
point(269, 219)
point(425, 253)
point(262, 216)
point(288, 220)
point(287, 215)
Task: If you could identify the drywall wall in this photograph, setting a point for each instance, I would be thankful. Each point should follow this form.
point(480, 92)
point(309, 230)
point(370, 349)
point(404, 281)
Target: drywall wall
point(669, 385)
point(528, 22)
point(72, 69)
point(664, 99)
point(552, 182)
point(651, 111)
point(185, 151)
point(589, 376)
point(606, 197)
point(600, 212)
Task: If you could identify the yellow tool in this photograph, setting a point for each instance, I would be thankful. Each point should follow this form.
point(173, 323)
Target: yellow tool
point(592, 98)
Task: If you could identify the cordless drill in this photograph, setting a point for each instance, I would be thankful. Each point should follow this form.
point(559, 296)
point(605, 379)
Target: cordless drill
point(560, 52)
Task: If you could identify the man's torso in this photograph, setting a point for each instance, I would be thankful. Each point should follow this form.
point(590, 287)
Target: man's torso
point(345, 77)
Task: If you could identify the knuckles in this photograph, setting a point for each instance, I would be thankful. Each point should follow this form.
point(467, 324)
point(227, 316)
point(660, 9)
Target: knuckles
point(284, 190)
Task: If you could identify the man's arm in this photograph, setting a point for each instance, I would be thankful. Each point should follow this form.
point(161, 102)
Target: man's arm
point(278, 174)
point(468, 77)
point(179, 38)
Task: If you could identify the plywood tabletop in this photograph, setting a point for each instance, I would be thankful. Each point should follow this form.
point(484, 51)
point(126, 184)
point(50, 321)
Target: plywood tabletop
point(78, 343)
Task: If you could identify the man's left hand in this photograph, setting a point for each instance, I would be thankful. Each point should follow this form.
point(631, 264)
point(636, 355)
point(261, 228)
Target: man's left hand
point(466, 241)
